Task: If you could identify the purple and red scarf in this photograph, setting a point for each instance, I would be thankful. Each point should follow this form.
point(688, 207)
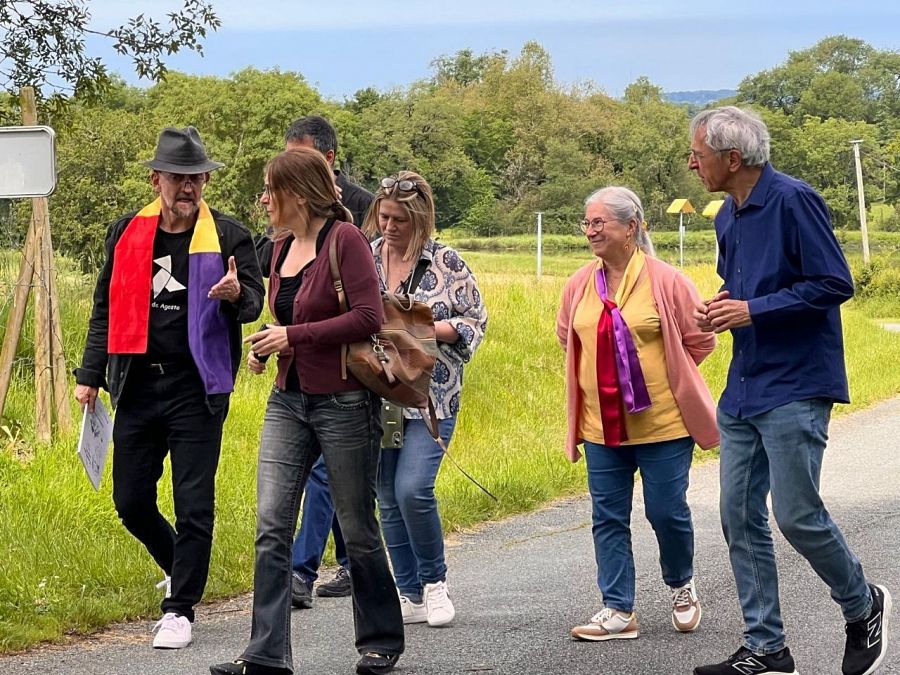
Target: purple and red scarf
point(130, 292)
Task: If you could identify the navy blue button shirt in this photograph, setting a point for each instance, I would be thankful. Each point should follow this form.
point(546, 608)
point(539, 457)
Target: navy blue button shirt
point(778, 251)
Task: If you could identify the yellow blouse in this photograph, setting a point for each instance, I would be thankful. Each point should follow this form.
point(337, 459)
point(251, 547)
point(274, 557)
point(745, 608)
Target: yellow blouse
point(662, 421)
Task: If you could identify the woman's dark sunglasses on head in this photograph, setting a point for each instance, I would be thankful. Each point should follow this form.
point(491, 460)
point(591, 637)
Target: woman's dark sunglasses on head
point(403, 185)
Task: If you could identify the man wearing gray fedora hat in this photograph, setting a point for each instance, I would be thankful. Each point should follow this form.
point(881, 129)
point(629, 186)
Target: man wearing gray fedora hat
point(164, 339)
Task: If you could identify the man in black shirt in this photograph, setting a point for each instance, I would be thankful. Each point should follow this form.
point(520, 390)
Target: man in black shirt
point(318, 510)
point(164, 339)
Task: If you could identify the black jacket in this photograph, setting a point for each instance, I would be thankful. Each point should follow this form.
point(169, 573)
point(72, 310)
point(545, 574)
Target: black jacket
point(101, 369)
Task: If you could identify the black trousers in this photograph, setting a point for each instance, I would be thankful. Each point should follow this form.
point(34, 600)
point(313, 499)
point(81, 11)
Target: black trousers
point(163, 411)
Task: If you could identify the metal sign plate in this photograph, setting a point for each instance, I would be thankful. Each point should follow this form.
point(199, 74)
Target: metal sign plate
point(27, 162)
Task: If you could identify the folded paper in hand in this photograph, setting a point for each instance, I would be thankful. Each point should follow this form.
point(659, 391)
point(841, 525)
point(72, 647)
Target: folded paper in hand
point(93, 444)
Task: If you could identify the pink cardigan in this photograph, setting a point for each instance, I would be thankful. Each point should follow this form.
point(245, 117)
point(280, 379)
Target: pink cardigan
point(686, 346)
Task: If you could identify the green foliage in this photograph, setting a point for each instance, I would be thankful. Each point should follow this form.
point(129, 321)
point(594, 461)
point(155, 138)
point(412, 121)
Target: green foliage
point(42, 45)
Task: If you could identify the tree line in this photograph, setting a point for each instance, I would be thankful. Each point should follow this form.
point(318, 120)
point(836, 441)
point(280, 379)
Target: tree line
point(496, 135)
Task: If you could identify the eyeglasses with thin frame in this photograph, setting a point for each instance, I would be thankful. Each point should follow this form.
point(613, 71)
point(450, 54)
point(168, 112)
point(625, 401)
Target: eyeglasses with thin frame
point(195, 179)
point(697, 156)
point(596, 224)
point(267, 191)
point(404, 185)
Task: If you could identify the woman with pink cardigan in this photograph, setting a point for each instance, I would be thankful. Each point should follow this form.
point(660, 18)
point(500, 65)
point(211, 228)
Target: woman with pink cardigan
point(636, 401)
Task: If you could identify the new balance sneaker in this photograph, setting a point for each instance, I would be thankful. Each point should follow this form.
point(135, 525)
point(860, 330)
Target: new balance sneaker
point(608, 624)
point(172, 632)
point(743, 662)
point(413, 612)
point(339, 587)
point(867, 639)
point(686, 610)
point(301, 592)
point(439, 609)
point(166, 583)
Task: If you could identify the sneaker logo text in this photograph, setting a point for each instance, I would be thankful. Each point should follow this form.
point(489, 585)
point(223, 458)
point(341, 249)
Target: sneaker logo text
point(749, 666)
point(874, 627)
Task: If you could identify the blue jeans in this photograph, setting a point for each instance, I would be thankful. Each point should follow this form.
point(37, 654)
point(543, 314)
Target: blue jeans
point(665, 469)
point(344, 428)
point(409, 513)
point(317, 519)
point(781, 450)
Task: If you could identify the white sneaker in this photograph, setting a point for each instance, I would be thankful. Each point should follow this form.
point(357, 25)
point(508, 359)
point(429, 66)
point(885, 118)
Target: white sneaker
point(439, 609)
point(686, 610)
point(167, 584)
point(413, 612)
point(607, 624)
point(172, 632)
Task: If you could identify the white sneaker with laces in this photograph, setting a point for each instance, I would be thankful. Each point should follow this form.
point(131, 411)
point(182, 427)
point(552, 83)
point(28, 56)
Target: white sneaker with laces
point(413, 612)
point(172, 632)
point(167, 584)
point(607, 624)
point(686, 610)
point(438, 606)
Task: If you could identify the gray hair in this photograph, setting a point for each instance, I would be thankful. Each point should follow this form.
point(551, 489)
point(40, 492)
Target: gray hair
point(624, 205)
point(735, 128)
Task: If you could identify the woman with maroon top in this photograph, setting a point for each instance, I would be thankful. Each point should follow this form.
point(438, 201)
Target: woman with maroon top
point(312, 411)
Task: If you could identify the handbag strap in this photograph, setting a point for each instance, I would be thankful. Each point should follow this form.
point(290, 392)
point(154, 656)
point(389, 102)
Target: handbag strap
point(339, 289)
point(431, 423)
point(416, 277)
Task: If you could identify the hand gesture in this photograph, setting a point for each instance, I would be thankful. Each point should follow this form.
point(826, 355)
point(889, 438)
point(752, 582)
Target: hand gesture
point(228, 287)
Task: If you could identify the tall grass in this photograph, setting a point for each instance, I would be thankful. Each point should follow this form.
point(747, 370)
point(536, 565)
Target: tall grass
point(69, 565)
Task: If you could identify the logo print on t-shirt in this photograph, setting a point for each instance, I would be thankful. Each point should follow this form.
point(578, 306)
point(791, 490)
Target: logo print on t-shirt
point(163, 280)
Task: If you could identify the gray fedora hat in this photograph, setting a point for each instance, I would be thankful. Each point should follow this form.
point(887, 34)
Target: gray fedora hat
point(181, 151)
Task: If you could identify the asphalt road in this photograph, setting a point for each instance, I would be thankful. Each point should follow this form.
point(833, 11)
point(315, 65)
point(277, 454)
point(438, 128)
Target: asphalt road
point(520, 584)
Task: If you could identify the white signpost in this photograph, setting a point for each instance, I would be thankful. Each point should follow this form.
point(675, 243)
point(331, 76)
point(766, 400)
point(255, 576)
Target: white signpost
point(27, 162)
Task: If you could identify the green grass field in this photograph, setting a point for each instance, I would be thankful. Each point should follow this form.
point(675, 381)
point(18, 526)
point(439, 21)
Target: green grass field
point(69, 566)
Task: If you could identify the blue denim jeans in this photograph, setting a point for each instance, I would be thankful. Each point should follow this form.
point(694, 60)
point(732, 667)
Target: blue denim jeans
point(344, 428)
point(409, 513)
point(316, 520)
point(665, 468)
point(781, 450)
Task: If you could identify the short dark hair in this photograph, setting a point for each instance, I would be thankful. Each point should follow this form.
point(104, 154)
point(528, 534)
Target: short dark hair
point(317, 128)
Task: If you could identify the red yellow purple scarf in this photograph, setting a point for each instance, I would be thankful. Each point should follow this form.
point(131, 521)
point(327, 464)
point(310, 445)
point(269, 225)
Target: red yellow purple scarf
point(620, 380)
point(130, 291)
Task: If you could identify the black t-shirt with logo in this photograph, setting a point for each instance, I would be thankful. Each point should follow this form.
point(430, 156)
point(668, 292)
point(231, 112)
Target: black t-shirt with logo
point(168, 334)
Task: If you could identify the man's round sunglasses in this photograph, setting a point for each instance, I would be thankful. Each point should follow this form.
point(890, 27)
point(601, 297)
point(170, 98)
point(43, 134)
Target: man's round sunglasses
point(403, 185)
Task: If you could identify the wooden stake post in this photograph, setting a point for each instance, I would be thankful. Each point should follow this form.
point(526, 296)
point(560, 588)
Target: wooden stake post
point(51, 386)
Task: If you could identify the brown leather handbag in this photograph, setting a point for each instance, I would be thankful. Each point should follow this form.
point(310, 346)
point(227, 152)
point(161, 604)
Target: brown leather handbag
point(396, 363)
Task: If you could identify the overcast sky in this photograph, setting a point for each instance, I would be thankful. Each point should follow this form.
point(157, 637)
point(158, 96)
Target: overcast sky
point(343, 46)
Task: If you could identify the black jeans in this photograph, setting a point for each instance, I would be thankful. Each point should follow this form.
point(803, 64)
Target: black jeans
point(344, 428)
point(161, 413)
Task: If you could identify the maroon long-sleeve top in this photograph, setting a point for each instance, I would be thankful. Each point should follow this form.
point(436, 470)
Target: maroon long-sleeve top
point(319, 328)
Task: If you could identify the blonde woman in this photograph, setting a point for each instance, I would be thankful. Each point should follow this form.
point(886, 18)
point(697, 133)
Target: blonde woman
point(636, 401)
point(409, 260)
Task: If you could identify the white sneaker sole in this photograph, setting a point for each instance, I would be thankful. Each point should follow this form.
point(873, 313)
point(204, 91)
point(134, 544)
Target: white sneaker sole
point(885, 620)
point(414, 619)
point(170, 644)
point(696, 625)
point(442, 621)
point(631, 635)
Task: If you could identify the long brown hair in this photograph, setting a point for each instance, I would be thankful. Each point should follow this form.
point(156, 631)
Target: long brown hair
point(305, 173)
point(418, 204)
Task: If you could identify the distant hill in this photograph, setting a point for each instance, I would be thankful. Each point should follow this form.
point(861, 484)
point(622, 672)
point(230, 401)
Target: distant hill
point(699, 97)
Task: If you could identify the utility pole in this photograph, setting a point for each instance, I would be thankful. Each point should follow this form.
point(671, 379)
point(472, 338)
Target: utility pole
point(862, 202)
point(540, 216)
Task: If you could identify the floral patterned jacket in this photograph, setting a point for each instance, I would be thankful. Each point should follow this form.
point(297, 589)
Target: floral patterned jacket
point(449, 287)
